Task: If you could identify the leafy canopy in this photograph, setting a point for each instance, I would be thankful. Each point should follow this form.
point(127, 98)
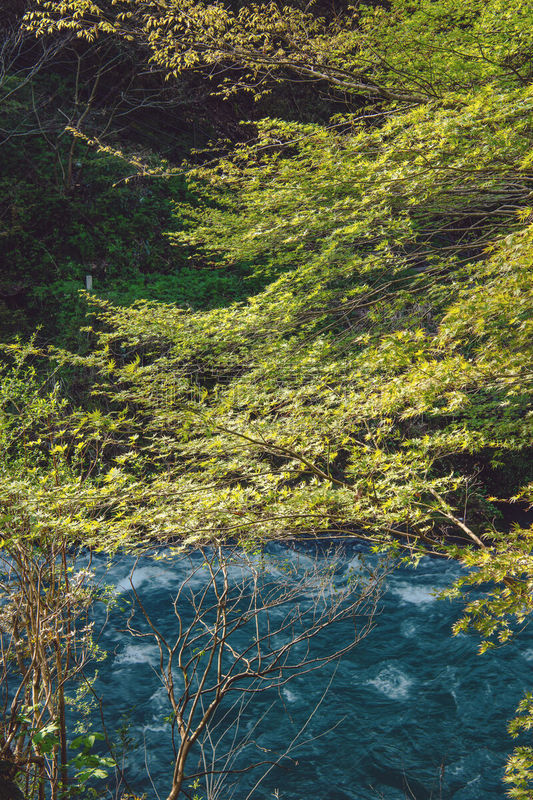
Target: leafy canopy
point(380, 384)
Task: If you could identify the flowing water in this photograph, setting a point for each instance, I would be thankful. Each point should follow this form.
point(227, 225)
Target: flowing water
point(411, 712)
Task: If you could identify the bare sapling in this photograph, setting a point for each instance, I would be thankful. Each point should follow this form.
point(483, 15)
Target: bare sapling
point(245, 624)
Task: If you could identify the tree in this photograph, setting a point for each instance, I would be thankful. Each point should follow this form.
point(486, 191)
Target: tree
point(392, 52)
point(380, 384)
point(46, 645)
point(252, 625)
point(246, 623)
point(46, 595)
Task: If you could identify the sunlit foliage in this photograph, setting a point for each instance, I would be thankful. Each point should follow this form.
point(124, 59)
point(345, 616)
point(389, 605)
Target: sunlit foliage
point(380, 384)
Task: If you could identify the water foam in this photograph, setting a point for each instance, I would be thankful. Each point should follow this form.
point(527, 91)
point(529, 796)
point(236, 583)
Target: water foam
point(136, 653)
point(392, 682)
point(410, 593)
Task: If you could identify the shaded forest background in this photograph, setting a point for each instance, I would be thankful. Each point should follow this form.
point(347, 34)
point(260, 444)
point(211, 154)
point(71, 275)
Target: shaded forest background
point(69, 211)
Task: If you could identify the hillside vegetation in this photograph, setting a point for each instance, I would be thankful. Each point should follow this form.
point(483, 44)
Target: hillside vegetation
point(345, 341)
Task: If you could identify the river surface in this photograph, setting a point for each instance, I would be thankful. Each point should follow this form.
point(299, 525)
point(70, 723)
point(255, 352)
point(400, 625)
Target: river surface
point(411, 712)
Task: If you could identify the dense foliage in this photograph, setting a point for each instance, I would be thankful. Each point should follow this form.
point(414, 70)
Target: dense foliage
point(358, 360)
